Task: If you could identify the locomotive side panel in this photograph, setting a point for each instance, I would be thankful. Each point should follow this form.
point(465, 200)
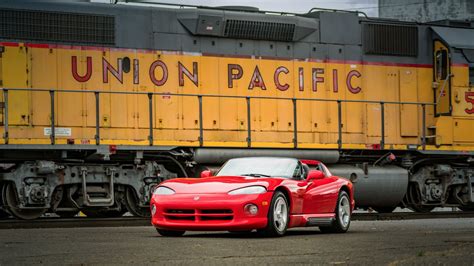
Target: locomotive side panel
point(124, 117)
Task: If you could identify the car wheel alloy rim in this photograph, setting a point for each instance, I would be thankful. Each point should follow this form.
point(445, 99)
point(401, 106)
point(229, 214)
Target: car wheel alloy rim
point(344, 211)
point(280, 214)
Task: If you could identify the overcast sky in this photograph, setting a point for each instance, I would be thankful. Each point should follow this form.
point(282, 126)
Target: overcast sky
point(294, 6)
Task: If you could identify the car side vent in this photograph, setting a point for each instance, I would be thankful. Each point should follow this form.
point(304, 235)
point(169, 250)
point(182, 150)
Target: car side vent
point(259, 30)
point(394, 40)
point(57, 27)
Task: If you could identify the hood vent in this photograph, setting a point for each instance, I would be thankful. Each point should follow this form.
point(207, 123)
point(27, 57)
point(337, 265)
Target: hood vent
point(61, 27)
point(259, 30)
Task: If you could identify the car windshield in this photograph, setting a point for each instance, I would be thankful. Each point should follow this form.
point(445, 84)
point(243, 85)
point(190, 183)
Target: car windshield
point(260, 167)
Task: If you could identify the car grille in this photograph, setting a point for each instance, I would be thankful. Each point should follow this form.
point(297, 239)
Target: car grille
point(199, 215)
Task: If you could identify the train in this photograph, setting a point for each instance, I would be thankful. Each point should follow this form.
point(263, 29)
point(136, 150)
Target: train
point(101, 102)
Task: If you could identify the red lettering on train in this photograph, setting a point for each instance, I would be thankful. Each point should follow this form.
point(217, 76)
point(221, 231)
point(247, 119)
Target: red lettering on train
point(301, 79)
point(234, 72)
point(257, 80)
point(469, 97)
point(75, 73)
point(164, 70)
point(107, 67)
point(317, 79)
point(136, 71)
point(276, 76)
point(183, 71)
point(353, 73)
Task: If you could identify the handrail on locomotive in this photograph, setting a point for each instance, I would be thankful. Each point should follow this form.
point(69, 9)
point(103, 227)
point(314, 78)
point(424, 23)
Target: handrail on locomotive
point(150, 95)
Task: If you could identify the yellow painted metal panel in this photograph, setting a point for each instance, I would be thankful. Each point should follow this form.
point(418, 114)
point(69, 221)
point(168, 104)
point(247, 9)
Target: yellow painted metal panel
point(15, 75)
point(463, 130)
point(304, 108)
point(460, 76)
point(444, 130)
point(189, 105)
point(125, 119)
point(45, 78)
point(408, 117)
point(355, 112)
point(121, 106)
point(69, 110)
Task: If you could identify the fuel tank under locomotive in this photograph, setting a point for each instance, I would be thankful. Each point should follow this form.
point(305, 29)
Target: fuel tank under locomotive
point(379, 187)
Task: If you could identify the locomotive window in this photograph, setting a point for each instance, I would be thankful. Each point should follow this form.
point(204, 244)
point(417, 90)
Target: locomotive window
point(469, 55)
point(471, 74)
point(441, 64)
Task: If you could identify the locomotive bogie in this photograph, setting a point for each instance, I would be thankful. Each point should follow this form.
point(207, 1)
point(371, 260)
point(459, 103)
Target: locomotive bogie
point(68, 187)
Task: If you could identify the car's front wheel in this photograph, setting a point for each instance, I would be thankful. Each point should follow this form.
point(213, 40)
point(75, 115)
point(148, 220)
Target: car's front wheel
point(169, 232)
point(343, 215)
point(278, 216)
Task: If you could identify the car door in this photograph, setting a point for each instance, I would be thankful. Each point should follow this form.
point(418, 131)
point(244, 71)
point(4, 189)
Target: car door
point(321, 194)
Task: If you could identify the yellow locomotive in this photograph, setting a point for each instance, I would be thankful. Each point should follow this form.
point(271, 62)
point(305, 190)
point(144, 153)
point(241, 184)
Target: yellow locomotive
point(100, 102)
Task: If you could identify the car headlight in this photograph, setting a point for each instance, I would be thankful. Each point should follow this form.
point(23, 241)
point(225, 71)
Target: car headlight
point(163, 191)
point(248, 190)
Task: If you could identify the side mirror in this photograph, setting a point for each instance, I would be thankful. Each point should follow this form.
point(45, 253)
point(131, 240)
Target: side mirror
point(314, 175)
point(206, 173)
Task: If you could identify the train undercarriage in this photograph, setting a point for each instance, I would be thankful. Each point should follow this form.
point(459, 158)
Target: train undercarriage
point(110, 182)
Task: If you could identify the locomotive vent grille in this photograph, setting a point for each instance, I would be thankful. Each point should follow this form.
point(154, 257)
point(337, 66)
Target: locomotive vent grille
point(57, 27)
point(395, 40)
point(259, 30)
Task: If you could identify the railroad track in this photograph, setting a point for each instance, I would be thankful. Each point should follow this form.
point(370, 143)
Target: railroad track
point(134, 221)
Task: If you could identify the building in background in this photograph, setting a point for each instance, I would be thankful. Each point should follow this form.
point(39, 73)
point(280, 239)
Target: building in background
point(427, 10)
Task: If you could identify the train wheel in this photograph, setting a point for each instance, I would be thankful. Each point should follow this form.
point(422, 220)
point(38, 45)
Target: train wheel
point(131, 200)
point(10, 200)
point(3, 214)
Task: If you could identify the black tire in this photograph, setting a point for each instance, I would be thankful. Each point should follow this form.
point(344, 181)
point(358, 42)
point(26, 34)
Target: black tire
point(384, 209)
point(170, 233)
point(277, 227)
point(341, 223)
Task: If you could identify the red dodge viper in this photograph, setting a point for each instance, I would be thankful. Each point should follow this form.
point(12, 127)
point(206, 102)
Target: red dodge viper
point(266, 194)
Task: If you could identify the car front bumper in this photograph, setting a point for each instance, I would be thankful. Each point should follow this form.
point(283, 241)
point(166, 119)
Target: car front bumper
point(209, 212)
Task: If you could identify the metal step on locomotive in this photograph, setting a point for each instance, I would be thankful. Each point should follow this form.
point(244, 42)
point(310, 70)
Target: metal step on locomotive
point(100, 102)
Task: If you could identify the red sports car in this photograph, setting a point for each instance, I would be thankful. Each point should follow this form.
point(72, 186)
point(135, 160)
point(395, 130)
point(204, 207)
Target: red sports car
point(266, 194)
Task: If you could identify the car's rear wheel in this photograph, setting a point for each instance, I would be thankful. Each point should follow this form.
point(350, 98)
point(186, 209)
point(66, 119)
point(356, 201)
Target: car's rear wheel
point(278, 216)
point(343, 215)
point(169, 232)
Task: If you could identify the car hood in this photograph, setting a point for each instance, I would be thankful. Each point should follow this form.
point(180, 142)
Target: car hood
point(218, 184)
